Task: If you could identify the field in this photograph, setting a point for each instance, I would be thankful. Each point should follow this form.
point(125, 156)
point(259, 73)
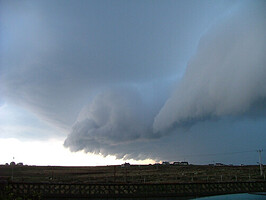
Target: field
point(130, 174)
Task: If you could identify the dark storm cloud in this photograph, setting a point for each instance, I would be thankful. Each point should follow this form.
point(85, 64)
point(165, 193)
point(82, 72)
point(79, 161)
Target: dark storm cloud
point(226, 77)
point(114, 117)
point(56, 54)
point(107, 67)
point(225, 135)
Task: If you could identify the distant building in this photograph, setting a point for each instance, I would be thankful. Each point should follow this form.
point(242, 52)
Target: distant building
point(20, 164)
point(219, 164)
point(166, 163)
point(180, 163)
point(13, 163)
point(125, 165)
point(176, 163)
point(184, 163)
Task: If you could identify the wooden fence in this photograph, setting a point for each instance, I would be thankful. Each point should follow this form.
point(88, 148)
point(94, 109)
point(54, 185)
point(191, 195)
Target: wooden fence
point(57, 190)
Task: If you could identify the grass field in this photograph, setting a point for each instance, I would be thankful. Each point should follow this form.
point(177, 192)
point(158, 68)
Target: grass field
point(131, 174)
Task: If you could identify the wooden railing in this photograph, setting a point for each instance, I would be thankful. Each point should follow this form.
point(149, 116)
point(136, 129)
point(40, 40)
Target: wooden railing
point(62, 190)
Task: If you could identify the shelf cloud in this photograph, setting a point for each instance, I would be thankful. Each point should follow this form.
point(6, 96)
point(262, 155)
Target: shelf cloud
point(226, 76)
point(136, 79)
point(115, 117)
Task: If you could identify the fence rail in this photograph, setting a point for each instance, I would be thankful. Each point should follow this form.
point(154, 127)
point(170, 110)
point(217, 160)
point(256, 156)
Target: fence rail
point(63, 190)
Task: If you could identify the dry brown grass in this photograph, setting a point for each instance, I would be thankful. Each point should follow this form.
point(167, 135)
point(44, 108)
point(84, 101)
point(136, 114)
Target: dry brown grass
point(132, 174)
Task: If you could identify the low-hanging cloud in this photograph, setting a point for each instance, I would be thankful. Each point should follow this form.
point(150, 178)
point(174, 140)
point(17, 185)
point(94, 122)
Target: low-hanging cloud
point(115, 117)
point(226, 77)
point(56, 57)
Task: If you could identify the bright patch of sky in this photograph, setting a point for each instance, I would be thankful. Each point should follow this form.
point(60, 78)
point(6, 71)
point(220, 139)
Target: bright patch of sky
point(52, 152)
point(34, 142)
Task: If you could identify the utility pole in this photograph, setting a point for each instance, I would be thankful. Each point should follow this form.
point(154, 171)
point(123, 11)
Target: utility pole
point(12, 168)
point(261, 167)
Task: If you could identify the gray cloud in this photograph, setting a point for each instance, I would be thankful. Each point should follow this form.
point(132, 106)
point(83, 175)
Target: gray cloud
point(55, 55)
point(62, 60)
point(227, 76)
point(224, 135)
point(114, 118)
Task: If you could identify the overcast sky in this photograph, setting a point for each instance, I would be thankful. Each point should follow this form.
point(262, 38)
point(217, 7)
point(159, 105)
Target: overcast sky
point(140, 80)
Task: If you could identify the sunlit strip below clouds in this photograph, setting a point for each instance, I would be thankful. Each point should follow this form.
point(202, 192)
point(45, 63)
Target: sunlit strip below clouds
point(52, 152)
point(33, 144)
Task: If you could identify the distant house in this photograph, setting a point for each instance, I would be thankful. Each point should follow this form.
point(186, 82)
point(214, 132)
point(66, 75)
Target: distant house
point(176, 163)
point(13, 163)
point(180, 163)
point(125, 165)
point(184, 163)
point(219, 164)
point(166, 163)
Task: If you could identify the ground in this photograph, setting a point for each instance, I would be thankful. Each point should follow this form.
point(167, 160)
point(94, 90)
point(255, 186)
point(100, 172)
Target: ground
point(131, 174)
